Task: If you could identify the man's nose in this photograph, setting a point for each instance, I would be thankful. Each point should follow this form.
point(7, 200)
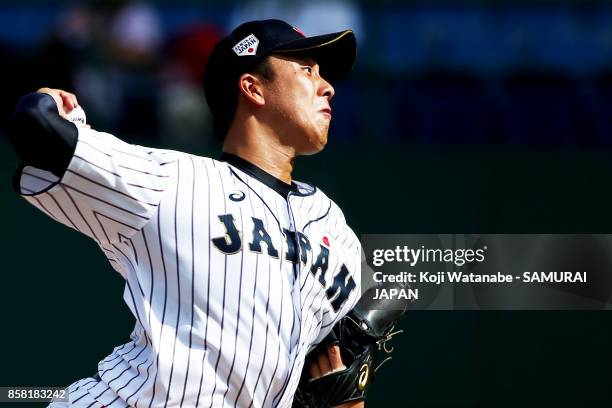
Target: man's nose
point(326, 89)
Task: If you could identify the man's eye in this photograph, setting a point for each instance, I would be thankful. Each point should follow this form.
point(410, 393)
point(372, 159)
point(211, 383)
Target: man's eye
point(307, 69)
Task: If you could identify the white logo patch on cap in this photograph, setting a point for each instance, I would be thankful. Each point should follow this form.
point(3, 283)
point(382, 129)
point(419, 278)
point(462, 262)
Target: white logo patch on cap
point(247, 46)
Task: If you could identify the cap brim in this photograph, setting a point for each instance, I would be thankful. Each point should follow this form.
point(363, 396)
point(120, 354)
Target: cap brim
point(335, 53)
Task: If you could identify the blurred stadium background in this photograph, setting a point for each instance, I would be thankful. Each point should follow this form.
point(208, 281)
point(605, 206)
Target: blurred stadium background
point(461, 117)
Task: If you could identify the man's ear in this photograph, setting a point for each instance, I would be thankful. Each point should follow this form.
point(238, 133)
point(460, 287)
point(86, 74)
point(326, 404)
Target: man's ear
point(251, 88)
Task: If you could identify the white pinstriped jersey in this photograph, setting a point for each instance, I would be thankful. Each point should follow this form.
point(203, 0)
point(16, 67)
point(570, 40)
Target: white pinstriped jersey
point(231, 283)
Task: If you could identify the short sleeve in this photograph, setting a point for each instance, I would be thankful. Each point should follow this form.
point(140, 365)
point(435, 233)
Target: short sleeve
point(109, 190)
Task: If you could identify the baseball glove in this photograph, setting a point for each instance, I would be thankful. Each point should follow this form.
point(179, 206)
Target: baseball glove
point(362, 336)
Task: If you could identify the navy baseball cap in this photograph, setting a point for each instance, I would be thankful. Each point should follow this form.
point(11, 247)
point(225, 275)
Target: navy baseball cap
point(251, 42)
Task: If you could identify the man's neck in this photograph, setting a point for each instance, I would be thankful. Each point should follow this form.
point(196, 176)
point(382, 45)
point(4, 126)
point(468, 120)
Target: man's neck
point(271, 158)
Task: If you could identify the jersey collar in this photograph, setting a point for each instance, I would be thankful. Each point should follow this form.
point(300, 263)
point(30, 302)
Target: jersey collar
point(269, 180)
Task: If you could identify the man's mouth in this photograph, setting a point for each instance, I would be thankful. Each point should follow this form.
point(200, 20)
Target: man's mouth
point(327, 112)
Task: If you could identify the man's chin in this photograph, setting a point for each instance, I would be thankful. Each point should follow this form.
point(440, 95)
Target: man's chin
point(311, 152)
point(316, 147)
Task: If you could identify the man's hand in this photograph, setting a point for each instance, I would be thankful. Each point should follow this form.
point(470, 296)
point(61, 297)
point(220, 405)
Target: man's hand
point(327, 363)
point(65, 101)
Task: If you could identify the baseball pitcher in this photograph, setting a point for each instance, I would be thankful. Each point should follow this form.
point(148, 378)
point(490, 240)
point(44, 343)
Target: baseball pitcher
point(234, 271)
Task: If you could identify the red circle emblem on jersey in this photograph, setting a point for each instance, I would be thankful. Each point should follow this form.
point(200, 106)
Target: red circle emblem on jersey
point(326, 241)
point(250, 50)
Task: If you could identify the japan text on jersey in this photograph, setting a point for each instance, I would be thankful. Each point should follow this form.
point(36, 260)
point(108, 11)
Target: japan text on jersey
point(232, 277)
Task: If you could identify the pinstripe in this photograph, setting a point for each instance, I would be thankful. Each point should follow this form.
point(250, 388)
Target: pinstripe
point(121, 374)
point(263, 362)
point(192, 276)
point(112, 402)
point(296, 313)
point(231, 370)
point(284, 385)
point(96, 149)
point(98, 396)
point(132, 155)
point(178, 281)
point(84, 384)
point(127, 258)
point(44, 209)
point(212, 396)
point(252, 313)
point(138, 313)
point(63, 212)
point(265, 345)
point(114, 149)
point(76, 207)
point(97, 166)
point(118, 357)
point(85, 393)
point(152, 280)
point(207, 292)
point(158, 190)
point(309, 210)
point(280, 320)
point(127, 368)
point(143, 172)
point(161, 331)
point(112, 357)
point(318, 218)
point(130, 243)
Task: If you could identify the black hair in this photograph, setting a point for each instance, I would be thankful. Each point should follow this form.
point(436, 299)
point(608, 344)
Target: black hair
point(222, 121)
